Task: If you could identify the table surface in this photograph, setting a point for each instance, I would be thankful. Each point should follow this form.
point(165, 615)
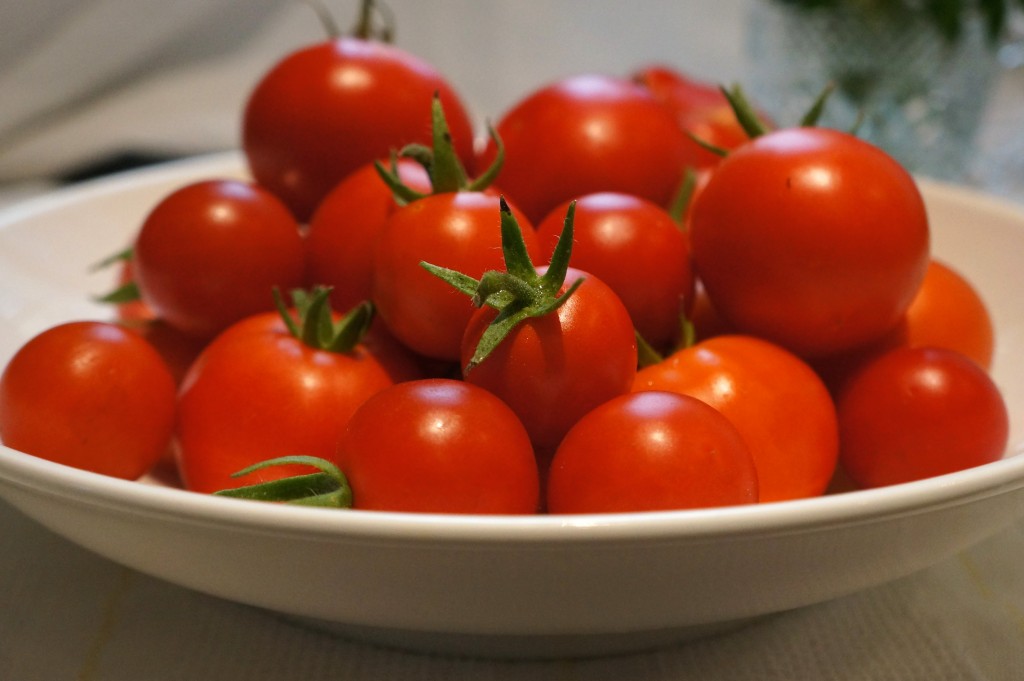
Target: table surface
point(68, 614)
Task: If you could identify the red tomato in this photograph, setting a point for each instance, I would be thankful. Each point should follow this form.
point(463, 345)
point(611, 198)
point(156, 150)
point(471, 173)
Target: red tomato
point(589, 134)
point(341, 234)
point(458, 230)
point(650, 451)
point(914, 413)
point(91, 395)
point(810, 238)
point(210, 254)
point(330, 108)
point(439, 446)
point(779, 405)
point(700, 108)
point(555, 368)
point(257, 393)
point(635, 247)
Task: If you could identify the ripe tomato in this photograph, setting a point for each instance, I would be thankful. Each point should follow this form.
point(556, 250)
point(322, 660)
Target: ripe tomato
point(810, 238)
point(91, 395)
point(555, 368)
point(342, 231)
point(700, 108)
point(589, 134)
point(458, 230)
point(650, 451)
point(439, 446)
point(779, 405)
point(210, 253)
point(914, 413)
point(635, 247)
point(330, 108)
point(257, 392)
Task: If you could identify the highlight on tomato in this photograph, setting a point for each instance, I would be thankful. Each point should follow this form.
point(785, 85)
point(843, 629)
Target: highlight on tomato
point(651, 451)
point(91, 395)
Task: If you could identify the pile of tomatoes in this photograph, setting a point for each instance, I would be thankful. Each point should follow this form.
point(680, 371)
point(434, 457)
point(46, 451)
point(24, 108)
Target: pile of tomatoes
point(632, 293)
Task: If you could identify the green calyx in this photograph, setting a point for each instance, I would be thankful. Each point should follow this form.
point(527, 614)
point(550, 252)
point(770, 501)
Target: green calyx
point(446, 172)
point(326, 488)
point(519, 292)
point(312, 320)
point(125, 293)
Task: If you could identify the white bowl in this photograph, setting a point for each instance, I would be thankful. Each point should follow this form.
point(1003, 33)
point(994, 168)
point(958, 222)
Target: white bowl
point(512, 586)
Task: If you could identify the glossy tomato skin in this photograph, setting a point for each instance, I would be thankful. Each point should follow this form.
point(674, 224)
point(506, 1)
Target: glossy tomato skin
point(810, 238)
point(635, 247)
point(587, 134)
point(343, 230)
point(211, 252)
point(914, 413)
point(258, 393)
point(554, 369)
point(651, 451)
point(327, 109)
point(457, 230)
point(777, 402)
point(91, 395)
point(439, 446)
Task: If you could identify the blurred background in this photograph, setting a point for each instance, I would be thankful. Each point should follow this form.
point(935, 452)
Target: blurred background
point(91, 86)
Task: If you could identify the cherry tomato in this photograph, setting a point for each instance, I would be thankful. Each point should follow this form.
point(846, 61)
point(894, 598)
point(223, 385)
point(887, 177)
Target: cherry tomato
point(651, 451)
point(458, 230)
point(555, 368)
point(700, 108)
point(91, 395)
point(587, 134)
point(210, 254)
point(914, 413)
point(777, 402)
point(635, 247)
point(439, 446)
point(328, 109)
point(810, 238)
point(257, 392)
point(342, 231)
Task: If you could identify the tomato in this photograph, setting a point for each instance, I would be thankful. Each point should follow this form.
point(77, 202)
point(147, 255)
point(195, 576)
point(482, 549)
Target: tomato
point(811, 238)
point(555, 368)
point(635, 247)
point(330, 108)
point(459, 230)
point(210, 253)
point(700, 108)
point(914, 413)
point(651, 451)
point(587, 134)
point(91, 395)
point(258, 392)
point(439, 446)
point(777, 402)
point(342, 231)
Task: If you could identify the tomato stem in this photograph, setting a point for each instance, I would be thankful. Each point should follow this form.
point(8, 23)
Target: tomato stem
point(519, 292)
point(313, 322)
point(329, 487)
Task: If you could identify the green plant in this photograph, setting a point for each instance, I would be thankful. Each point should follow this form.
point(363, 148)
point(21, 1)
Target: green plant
point(948, 16)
